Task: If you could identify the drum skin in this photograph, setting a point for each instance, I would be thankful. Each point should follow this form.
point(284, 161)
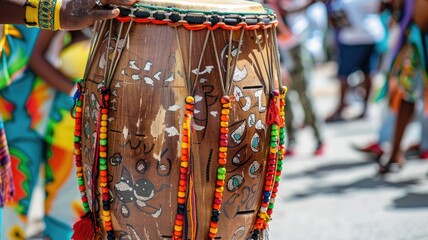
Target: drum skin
point(146, 111)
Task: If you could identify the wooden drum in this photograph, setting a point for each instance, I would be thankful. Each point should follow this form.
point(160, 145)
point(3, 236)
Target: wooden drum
point(180, 122)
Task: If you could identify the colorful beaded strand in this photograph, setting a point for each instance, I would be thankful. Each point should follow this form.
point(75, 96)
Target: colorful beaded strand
point(77, 152)
point(263, 217)
point(103, 143)
point(221, 170)
point(184, 169)
point(281, 151)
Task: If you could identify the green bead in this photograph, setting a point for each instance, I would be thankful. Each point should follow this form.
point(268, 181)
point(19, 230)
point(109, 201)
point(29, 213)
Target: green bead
point(221, 170)
point(277, 178)
point(103, 167)
point(279, 168)
point(80, 181)
point(103, 142)
point(103, 161)
point(282, 141)
point(76, 139)
point(221, 176)
point(282, 130)
point(79, 103)
point(271, 205)
point(273, 144)
point(274, 127)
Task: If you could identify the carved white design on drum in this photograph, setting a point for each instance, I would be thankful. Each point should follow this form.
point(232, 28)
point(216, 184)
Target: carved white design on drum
point(254, 169)
point(132, 65)
point(172, 131)
point(125, 132)
point(147, 66)
point(113, 103)
point(148, 80)
point(198, 127)
point(235, 182)
point(203, 80)
point(238, 134)
point(258, 94)
point(260, 125)
point(239, 233)
point(136, 77)
point(174, 108)
point(239, 74)
point(171, 78)
point(208, 69)
point(251, 120)
point(157, 76)
point(255, 142)
point(214, 113)
point(197, 98)
point(196, 111)
point(237, 92)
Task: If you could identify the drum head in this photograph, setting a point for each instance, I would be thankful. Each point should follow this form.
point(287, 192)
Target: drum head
point(235, 6)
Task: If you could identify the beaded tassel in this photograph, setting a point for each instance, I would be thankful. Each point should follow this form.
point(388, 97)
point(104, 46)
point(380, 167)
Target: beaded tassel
point(84, 228)
point(263, 216)
point(221, 170)
point(103, 127)
point(281, 152)
point(184, 169)
point(79, 97)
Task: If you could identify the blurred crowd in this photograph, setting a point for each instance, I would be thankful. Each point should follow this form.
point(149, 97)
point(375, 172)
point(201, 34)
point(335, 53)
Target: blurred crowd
point(364, 38)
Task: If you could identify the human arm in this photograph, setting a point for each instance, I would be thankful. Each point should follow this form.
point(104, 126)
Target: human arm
point(43, 68)
point(74, 14)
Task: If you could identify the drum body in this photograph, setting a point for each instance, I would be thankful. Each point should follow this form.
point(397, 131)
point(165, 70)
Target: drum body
point(145, 71)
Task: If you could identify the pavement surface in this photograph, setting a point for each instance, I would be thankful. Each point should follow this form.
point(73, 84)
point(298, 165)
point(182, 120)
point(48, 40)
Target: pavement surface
point(337, 196)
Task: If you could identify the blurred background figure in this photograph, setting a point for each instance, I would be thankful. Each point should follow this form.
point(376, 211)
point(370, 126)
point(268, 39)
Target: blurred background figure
point(301, 42)
point(40, 134)
point(358, 29)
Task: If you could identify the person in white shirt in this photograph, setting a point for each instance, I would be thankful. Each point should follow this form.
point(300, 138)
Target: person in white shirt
point(359, 31)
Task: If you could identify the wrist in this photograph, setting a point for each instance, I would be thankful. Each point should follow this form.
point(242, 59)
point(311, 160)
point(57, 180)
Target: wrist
point(43, 13)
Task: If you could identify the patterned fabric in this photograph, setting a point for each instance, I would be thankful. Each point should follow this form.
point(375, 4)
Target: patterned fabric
point(6, 186)
point(40, 135)
point(15, 50)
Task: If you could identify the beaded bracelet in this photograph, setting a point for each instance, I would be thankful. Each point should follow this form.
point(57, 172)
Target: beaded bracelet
point(43, 13)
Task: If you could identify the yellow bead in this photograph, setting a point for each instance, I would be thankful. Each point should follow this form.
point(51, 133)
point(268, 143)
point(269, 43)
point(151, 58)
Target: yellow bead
point(181, 194)
point(190, 99)
point(103, 123)
point(178, 228)
point(224, 124)
point(103, 154)
point(227, 105)
point(184, 145)
point(103, 129)
point(225, 111)
point(104, 117)
point(76, 151)
point(213, 230)
point(184, 164)
point(78, 109)
point(106, 213)
point(107, 218)
point(219, 189)
point(103, 184)
point(223, 149)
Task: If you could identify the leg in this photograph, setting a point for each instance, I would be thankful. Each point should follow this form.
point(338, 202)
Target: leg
point(367, 85)
point(404, 115)
point(337, 114)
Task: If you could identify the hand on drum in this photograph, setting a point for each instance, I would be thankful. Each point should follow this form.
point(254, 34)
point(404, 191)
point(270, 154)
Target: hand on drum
point(78, 14)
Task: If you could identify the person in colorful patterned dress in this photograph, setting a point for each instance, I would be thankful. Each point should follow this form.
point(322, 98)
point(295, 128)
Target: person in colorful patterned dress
point(40, 134)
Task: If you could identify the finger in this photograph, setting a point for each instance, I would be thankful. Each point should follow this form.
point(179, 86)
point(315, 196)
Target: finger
point(102, 14)
point(119, 2)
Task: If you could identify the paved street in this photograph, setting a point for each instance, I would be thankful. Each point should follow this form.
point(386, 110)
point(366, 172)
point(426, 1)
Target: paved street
point(337, 196)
